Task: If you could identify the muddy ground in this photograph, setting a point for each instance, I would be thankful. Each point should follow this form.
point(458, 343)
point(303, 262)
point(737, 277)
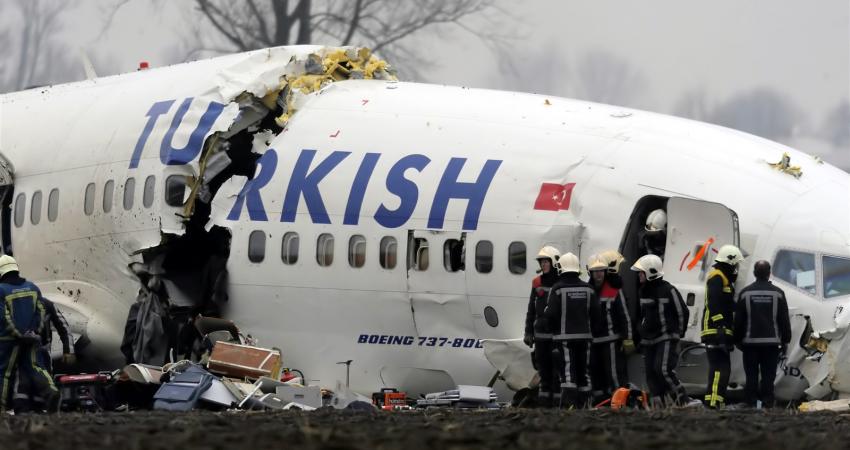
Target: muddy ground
point(435, 429)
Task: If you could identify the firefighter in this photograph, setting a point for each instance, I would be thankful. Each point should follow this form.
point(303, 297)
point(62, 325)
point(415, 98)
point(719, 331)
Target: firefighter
point(762, 332)
point(654, 239)
point(27, 396)
point(570, 310)
point(537, 332)
point(612, 336)
point(718, 324)
point(663, 320)
point(21, 319)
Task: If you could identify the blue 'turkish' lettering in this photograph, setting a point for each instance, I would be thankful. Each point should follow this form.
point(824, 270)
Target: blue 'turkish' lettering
point(358, 188)
point(250, 193)
point(157, 109)
point(405, 189)
point(176, 156)
point(450, 188)
point(307, 183)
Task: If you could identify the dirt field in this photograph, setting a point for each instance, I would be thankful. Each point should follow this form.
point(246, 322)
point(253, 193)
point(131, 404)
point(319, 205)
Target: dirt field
point(433, 430)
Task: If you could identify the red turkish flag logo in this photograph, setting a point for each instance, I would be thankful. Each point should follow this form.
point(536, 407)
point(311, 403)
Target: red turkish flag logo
point(554, 196)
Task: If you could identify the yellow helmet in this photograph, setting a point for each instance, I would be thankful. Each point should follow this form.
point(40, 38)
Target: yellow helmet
point(612, 259)
point(595, 262)
point(8, 264)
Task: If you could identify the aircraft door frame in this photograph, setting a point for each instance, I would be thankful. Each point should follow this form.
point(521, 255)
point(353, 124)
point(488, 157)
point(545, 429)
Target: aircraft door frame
point(696, 229)
point(7, 196)
point(438, 297)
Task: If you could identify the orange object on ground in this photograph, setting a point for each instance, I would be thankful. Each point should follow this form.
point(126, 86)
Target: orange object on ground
point(629, 398)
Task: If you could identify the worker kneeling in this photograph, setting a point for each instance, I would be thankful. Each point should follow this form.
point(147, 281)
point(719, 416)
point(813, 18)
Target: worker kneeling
point(21, 319)
point(570, 310)
point(663, 320)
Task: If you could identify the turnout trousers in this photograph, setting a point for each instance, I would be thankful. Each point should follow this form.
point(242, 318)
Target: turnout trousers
point(760, 360)
point(608, 369)
point(660, 361)
point(719, 367)
point(22, 361)
point(575, 374)
point(546, 362)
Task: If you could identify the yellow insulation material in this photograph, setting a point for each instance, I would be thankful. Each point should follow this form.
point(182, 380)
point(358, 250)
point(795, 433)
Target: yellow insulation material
point(784, 165)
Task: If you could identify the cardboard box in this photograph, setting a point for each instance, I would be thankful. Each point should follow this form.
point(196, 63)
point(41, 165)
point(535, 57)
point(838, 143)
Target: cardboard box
point(244, 361)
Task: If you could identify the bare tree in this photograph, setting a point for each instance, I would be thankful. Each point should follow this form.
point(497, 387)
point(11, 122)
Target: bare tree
point(382, 25)
point(693, 105)
point(603, 77)
point(837, 125)
point(762, 111)
point(38, 56)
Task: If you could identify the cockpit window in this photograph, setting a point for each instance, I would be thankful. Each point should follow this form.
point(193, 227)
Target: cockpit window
point(797, 268)
point(836, 276)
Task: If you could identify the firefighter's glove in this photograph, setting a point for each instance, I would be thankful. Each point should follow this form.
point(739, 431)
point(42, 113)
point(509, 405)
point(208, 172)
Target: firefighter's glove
point(628, 347)
point(528, 340)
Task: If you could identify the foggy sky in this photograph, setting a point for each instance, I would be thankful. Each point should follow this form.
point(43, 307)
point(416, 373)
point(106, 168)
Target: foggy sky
point(703, 59)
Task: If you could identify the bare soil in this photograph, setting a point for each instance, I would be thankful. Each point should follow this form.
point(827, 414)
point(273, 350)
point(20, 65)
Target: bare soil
point(432, 429)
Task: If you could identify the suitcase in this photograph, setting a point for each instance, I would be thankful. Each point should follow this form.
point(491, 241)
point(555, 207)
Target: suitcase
point(243, 361)
point(85, 392)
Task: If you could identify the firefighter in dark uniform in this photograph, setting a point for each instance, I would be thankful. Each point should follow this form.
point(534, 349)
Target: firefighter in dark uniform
point(21, 319)
point(718, 322)
point(663, 321)
point(654, 238)
point(612, 335)
point(762, 332)
point(537, 332)
point(571, 309)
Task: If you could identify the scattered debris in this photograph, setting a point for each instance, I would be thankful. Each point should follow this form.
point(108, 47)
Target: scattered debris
point(784, 165)
point(462, 397)
point(817, 405)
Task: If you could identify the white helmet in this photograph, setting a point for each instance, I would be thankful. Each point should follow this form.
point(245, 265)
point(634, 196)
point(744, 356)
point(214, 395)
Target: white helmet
point(656, 221)
point(612, 259)
point(650, 265)
point(568, 263)
point(549, 252)
point(595, 262)
point(729, 254)
point(8, 264)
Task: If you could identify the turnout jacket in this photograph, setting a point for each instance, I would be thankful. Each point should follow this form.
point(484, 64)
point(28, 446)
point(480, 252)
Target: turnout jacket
point(614, 322)
point(717, 319)
point(21, 311)
point(571, 309)
point(663, 314)
point(536, 324)
point(761, 315)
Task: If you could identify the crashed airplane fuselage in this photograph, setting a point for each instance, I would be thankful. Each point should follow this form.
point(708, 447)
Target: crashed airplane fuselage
point(394, 224)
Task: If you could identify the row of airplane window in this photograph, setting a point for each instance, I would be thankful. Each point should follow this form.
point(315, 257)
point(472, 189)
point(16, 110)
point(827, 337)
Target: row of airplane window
point(175, 186)
point(418, 257)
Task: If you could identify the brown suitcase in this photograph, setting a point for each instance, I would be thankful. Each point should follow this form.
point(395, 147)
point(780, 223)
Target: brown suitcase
point(244, 361)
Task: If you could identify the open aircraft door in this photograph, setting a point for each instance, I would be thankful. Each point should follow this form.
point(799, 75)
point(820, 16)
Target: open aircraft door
point(695, 232)
point(6, 192)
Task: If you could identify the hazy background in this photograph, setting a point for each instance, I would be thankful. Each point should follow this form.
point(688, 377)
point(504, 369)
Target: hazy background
point(775, 68)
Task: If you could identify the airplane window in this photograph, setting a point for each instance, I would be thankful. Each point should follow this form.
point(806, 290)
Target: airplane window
point(53, 204)
point(418, 256)
point(108, 190)
point(357, 251)
point(484, 256)
point(836, 276)
point(388, 249)
point(325, 249)
point(35, 208)
point(147, 195)
point(88, 204)
point(796, 268)
point(20, 205)
point(129, 192)
point(257, 246)
point(516, 257)
point(175, 189)
point(289, 248)
point(453, 255)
